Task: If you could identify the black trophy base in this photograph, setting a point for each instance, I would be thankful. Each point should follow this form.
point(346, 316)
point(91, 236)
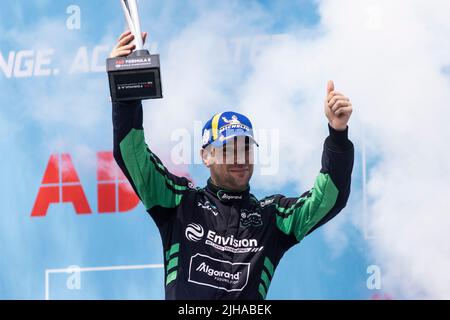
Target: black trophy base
point(134, 77)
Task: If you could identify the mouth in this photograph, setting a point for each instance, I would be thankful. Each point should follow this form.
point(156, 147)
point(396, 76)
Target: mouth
point(238, 169)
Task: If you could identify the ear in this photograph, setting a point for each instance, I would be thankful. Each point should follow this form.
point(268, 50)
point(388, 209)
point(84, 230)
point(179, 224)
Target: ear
point(206, 157)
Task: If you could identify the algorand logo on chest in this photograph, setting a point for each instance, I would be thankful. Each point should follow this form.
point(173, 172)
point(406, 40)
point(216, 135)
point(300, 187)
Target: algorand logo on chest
point(218, 274)
point(203, 267)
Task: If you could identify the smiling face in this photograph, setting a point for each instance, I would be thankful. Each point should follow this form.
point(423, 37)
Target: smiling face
point(232, 165)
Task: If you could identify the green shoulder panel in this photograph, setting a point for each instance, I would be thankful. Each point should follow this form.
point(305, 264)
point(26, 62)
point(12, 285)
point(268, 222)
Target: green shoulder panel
point(154, 184)
point(302, 215)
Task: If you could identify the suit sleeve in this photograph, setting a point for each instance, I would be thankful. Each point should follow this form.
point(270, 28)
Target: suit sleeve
point(152, 182)
point(297, 217)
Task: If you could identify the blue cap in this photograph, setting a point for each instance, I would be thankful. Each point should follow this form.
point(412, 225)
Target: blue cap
point(224, 126)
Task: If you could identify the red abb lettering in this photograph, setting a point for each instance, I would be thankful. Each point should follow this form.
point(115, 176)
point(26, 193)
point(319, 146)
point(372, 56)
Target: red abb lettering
point(114, 193)
point(60, 184)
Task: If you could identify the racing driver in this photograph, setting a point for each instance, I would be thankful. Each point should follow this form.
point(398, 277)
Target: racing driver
point(220, 241)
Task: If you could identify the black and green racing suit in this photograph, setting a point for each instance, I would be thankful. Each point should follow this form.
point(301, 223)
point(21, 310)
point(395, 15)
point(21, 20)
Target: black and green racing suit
point(220, 244)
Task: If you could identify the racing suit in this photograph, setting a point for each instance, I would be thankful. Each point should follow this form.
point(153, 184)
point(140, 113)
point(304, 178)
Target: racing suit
point(220, 244)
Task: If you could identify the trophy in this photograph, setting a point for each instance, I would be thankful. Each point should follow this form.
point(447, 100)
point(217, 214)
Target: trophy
point(136, 76)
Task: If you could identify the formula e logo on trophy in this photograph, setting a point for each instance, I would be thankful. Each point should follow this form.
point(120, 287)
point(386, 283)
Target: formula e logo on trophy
point(194, 232)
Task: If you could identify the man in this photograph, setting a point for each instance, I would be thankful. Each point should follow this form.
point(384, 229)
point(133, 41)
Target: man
point(220, 242)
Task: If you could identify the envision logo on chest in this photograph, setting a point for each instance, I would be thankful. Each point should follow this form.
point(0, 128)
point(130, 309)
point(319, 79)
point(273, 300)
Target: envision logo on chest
point(231, 241)
point(195, 232)
point(231, 244)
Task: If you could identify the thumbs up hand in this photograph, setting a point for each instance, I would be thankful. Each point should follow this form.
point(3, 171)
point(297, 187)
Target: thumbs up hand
point(338, 108)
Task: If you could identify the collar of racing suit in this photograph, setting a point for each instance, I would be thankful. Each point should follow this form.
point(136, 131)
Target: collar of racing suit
point(226, 195)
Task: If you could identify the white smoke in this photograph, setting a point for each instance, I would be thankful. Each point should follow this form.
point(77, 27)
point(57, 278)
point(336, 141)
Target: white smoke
point(388, 57)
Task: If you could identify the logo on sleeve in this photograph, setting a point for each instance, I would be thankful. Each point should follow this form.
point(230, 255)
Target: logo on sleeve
point(266, 202)
point(218, 274)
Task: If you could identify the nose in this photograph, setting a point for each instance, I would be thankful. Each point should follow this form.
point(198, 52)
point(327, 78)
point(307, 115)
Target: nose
point(237, 153)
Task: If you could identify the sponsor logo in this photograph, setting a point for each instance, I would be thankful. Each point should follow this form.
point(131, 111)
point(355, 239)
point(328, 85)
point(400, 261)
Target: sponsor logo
point(140, 60)
point(61, 184)
point(208, 206)
point(231, 244)
point(191, 185)
point(266, 202)
point(121, 63)
point(234, 123)
point(225, 196)
point(218, 274)
point(194, 232)
point(234, 120)
point(252, 219)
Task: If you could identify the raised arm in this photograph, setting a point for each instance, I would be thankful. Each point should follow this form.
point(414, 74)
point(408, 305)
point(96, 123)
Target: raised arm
point(152, 182)
point(299, 216)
